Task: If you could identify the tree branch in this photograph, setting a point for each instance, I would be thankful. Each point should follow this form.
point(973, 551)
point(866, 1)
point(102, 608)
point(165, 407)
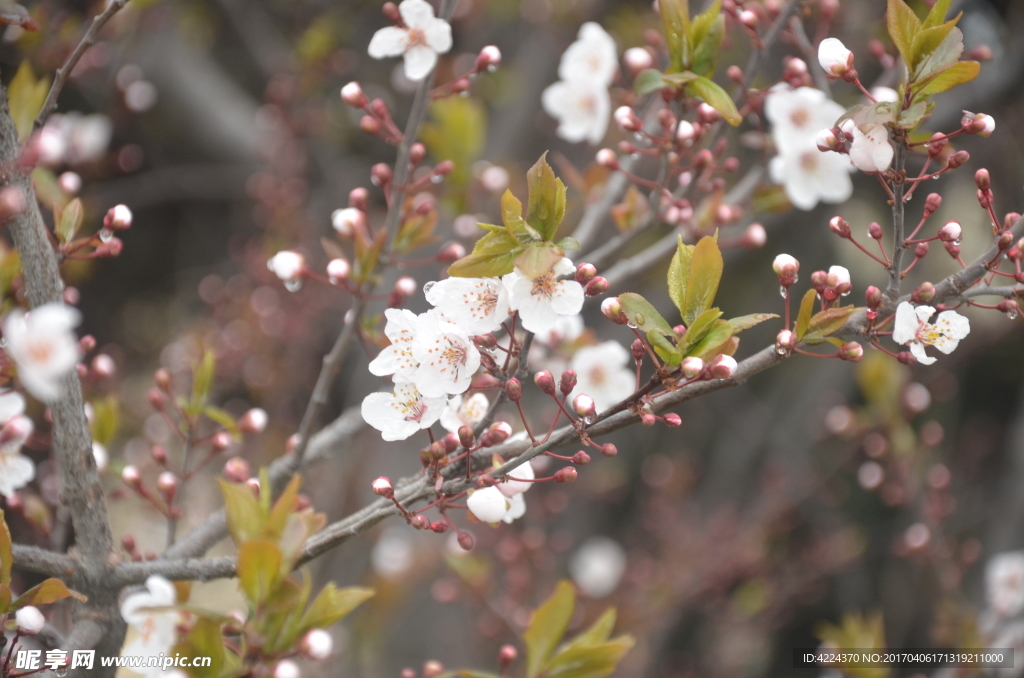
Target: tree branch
point(35, 559)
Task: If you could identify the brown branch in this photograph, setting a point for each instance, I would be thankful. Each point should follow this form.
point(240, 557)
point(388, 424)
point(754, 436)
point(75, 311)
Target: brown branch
point(64, 72)
point(899, 164)
point(35, 559)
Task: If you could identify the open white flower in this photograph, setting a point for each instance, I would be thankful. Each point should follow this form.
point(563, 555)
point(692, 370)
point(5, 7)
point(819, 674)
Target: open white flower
point(461, 412)
point(155, 628)
point(598, 566)
point(592, 58)
point(798, 115)
point(447, 357)
point(811, 176)
point(397, 358)
point(522, 474)
point(603, 373)
point(488, 504)
point(477, 305)
point(912, 328)
point(43, 346)
point(582, 108)
point(516, 508)
point(542, 299)
point(420, 41)
point(871, 150)
point(16, 470)
point(400, 414)
point(1004, 583)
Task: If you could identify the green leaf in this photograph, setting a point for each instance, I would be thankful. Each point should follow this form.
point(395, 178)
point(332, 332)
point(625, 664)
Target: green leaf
point(512, 217)
point(950, 77)
point(745, 322)
point(678, 272)
point(259, 567)
point(596, 633)
point(48, 191)
point(44, 593)
point(548, 623)
point(224, 419)
point(25, 97)
point(70, 220)
point(106, 419)
point(720, 333)
point(665, 349)
point(204, 639)
point(589, 661)
point(912, 117)
point(675, 18)
point(946, 54)
point(202, 380)
point(494, 255)
point(332, 604)
point(6, 555)
point(244, 515)
point(702, 282)
point(937, 14)
point(649, 80)
point(283, 507)
point(828, 321)
point(930, 39)
point(538, 259)
point(716, 97)
point(699, 329)
point(546, 205)
point(803, 318)
point(903, 27)
point(706, 33)
point(474, 571)
point(882, 113)
point(642, 314)
point(568, 243)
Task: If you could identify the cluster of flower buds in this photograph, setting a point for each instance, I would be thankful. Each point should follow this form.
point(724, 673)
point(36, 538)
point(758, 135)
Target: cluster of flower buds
point(832, 284)
point(378, 120)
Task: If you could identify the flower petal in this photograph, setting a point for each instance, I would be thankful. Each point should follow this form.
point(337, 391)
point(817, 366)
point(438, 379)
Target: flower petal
point(918, 350)
point(439, 35)
point(388, 42)
point(416, 13)
point(905, 325)
point(419, 62)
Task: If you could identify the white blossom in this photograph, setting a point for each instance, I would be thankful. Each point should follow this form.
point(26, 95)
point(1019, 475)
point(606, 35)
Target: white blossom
point(582, 109)
point(1004, 583)
point(461, 412)
point(154, 626)
point(604, 373)
point(912, 328)
point(810, 176)
point(798, 115)
point(29, 620)
point(477, 305)
point(871, 150)
point(598, 566)
point(834, 57)
point(523, 473)
point(43, 346)
point(567, 328)
point(447, 357)
point(516, 508)
point(488, 504)
point(592, 58)
point(400, 414)
point(541, 300)
point(286, 265)
point(420, 41)
point(397, 358)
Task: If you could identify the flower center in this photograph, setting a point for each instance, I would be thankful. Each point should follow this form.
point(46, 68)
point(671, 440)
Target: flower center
point(416, 37)
point(413, 409)
point(454, 354)
point(148, 627)
point(800, 117)
point(588, 104)
point(40, 351)
point(598, 376)
point(809, 161)
point(485, 303)
point(544, 286)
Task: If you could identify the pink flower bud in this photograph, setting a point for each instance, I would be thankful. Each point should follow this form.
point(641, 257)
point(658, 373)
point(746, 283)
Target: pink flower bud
point(12, 201)
point(827, 140)
point(254, 485)
point(545, 381)
point(420, 522)
point(786, 267)
point(167, 485)
point(673, 420)
point(581, 458)
point(785, 341)
point(488, 59)
point(451, 253)
point(755, 236)
point(921, 250)
point(584, 406)
point(626, 118)
point(566, 474)
point(130, 476)
point(405, 286)
point(466, 437)
point(159, 454)
point(834, 57)
point(585, 273)
point(338, 270)
point(359, 198)
point(514, 390)
point(609, 450)
point(873, 297)
point(466, 541)
point(637, 59)
point(924, 293)
point(638, 350)
point(568, 382)
point(707, 114)
point(692, 367)
point(1010, 307)
point(236, 469)
point(381, 174)
point(839, 226)
point(722, 367)
point(612, 309)
point(118, 218)
point(103, 366)
point(983, 180)
point(382, 487)
point(508, 653)
point(982, 125)
point(951, 232)
point(958, 159)
point(596, 287)
point(499, 431)
point(606, 157)
point(352, 94)
point(440, 527)
point(748, 19)
point(851, 351)
point(316, 644)
point(286, 668)
point(685, 132)
point(735, 73)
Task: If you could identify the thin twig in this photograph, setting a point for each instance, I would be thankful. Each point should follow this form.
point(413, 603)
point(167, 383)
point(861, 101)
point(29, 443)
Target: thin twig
point(64, 72)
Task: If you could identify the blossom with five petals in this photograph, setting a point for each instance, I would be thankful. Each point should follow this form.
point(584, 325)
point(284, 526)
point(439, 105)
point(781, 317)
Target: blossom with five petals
point(423, 37)
point(477, 305)
point(400, 414)
point(447, 357)
point(16, 470)
point(911, 327)
point(43, 346)
point(541, 299)
point(146, 613)
point(397, 358)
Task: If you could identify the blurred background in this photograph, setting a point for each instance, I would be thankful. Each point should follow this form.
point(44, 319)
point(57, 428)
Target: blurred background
point(867, 497)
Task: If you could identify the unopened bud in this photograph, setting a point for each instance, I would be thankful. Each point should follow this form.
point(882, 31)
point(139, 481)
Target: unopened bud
point(130, 476)
point(786, 267)
point(584, 406)
point(499, 432)
point(638, 349)
point(839, 226)
point(627, 119)
point(381, 174)
point(159, 454)
point(937, 145)
point(982, 125)
point(338, 270)
point(545, 381)
point(637, 59)
point(444, 168)
point(983, 180)
point(755, 236)
point(508, 653)
point(673, 420)
point(514, 390)
point(220, 441)
point(370, 125)
point(851, 351)
point(722, 367)
point(827, 140)
point(585, 273)
point(611, 308)
point(566, 474)
point(924, 293)
point(567, 382)
point(466, 541)
point(488, 59)
point(1005, 241)
point(707, 114)
point(958, 159)
point(1009, 306)
point(167, 485)
point(906, 357)
point(253, 421)
point(156, 399)
point(316, 644)
point(921, 250)
point(359, 198)
point(452, 252)
point(735, 73)
point(236, 469)
point(581, 458)
point(875, 231)
point(485, 341)
point(819, 280)
point(440, 527)
point(785, 341)
point(382, 487)
point(118, 218)
point(606, 157)
point(951, 232)
point(420, 522)
point(873, 297)
point(405, 286)
point(648, 419)
point(466, 437)
point(352, 94)
point(692, 367)
point(103, 366)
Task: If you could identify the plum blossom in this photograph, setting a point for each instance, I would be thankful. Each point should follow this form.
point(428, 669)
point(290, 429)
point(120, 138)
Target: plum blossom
point(598, 566)
point(447, 357)
point(287, 265)
point(541, 300)
point(420, 41)
point(871, 150)
point(912, 328)
point(834, 57)
point(488, 504)
point(580, 100)
point(146, 613)
point(400, 414)
point(518, 480)
point(516, 509)
point(461, 412)
point(30, 620)
point(397, 358)
point(43, 346)
point(808, 174)
point(477, 305)
point(603, 373)
point(16, 470)
point(1004, 583)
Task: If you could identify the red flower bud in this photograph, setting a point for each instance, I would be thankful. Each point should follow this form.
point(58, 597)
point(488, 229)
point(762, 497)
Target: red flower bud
point(581, 458)
point(585, 273)
point(566, 474)
point(958, 159)
point(673, 420)
point(514, 390)
point(873, 297)
point(568, 382)
point(932, 203)
point(381, 174)
point(638, 349)
point(839, 226)
point(382, 486)
point(609, 450)
point(596, 286)
point(507, 655)
point(466, 541)
point(545, 381)
point(983, 180)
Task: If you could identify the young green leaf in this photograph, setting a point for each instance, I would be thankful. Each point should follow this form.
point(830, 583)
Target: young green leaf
point(6, 557)
point(929, 39)
point(596, 633)
point(642, 314)
point(706, 33)
point(568, 243)
point(244, 515)
point(937, 14)
point(44, 593)
point(903, 27)
point(649, 80)
point(678, 272)
point(546, 206)
point(332, 604)
point(675, 18)
point(745, 322)
point(283, 507)
point(664, 348)
point(720, 333)
point(699, 329)
point(25, 97)
point(912, 117)
point(106, 419)
point(221, 417)
point(589, 661)
point(202, 380)
point(547, 626)
point(259, 567)
point(716, 97)
point(702, 282)
point(827, 322)
point(494, 255)
point(803, 318)
point(204, 639)
point(512, 217)
point(947, 53)
point(538, 259)
point(949, 77)
point(70, 220)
